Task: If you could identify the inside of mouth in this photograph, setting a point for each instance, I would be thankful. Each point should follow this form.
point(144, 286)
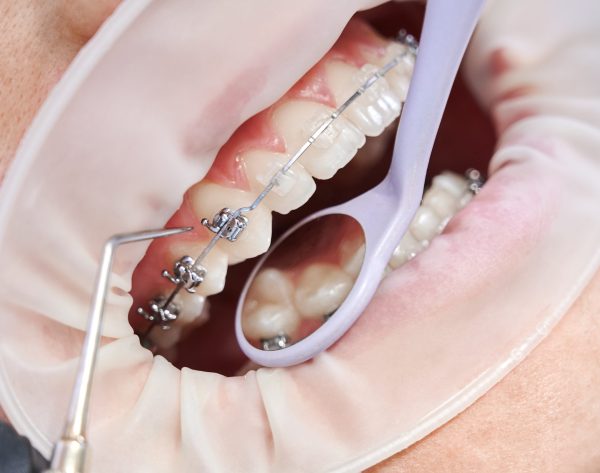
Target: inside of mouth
point(465, 140)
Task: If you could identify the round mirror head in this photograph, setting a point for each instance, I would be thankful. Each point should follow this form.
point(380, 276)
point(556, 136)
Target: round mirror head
point(302, 281)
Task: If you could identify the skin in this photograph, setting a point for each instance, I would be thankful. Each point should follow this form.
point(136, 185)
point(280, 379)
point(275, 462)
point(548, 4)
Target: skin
point(544, 416)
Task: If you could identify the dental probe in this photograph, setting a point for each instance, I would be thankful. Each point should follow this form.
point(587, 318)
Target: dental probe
point(188, 273)
point(70, 451)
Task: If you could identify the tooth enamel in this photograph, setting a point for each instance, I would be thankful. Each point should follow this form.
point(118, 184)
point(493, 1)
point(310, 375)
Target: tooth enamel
point(294, 188)
point(192, 313)
point(452, 183)
point(407, 249)
point(266, 320)
point(465, 199)
point(441, 201)
point(351, 257)
point(399, 77)
point(375, 109)
point(215, 264)
point(321, 288)
point(332, 150)
point(425, 224)
point(271, 285)
point(208, 198)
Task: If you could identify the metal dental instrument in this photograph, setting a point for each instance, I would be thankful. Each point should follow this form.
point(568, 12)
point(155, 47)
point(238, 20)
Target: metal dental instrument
point(229, 224)
point(70, 451)
point(384, 213)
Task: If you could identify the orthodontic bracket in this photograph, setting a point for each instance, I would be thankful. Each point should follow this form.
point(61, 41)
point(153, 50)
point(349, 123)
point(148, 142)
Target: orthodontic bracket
point(475, 180)
point(226, 224)
point(161, 312)
point(186, 274)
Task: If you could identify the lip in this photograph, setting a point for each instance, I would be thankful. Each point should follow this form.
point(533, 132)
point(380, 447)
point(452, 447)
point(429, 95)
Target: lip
point(448, 325)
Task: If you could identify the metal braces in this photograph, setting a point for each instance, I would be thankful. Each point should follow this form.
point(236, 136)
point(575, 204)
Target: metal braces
point(275, 343)
point(229, 224)
point(186, 274)
point(226, 225)
point(475, 180)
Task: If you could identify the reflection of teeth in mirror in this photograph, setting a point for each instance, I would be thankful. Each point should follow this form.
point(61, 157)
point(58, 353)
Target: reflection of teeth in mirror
point(266, 320)
point(352, 255)
point(375, 109)
point(271, 285)
point(208, 198)
point(215, 264)
point(332, 150)
point(294, 187)
point(193, 313)
point(320, 290)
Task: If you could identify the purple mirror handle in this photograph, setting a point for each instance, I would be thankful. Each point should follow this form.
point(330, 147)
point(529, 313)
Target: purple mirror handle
point(386, 211)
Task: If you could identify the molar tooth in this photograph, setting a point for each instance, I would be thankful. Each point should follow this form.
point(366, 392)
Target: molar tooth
point(322, 287)
point(425, 224)
point(441, 201)
point(407, 249)
point(332, 150)
point(294, 188)
point(266, 320)
point(271, 285)
point(208, 198)
point(452, 183)
point(351, 257)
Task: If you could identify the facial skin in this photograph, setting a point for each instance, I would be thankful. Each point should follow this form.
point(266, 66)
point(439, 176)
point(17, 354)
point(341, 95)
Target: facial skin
point(544, 416)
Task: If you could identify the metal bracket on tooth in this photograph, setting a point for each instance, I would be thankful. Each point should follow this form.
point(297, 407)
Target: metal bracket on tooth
point(475, 180)
point(228, 226)
point(186, 274)
point(159, 315)
point(408, 40)
point(275, 343)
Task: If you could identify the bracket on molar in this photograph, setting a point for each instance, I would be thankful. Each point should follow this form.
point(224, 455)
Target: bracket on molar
point(474, 180)
point(224, 219)
point(275, 343)
point(186, 274)
point(158, 314)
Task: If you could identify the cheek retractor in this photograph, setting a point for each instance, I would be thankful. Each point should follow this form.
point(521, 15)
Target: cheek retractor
point(382, 215)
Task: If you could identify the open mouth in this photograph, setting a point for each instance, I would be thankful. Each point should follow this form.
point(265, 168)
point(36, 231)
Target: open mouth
point(127, 132)
point(351, 157)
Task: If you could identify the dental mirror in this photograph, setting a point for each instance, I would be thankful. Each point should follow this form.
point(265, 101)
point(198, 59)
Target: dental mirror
point(375, 220)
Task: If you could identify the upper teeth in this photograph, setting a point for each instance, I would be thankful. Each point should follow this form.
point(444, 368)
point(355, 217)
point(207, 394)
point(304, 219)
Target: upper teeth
point(376, 108)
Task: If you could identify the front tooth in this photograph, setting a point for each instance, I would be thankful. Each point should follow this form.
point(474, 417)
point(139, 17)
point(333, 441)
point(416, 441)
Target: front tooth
point(425, 224)
point(321, 289)
point(441, 201)
point(208, 198)
point(294, 187)
point(407, 249)
point(266, 320)
point(332, 150)
point(215, 264)
point(271, 285)
point(450, 182)
point(372, 111)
